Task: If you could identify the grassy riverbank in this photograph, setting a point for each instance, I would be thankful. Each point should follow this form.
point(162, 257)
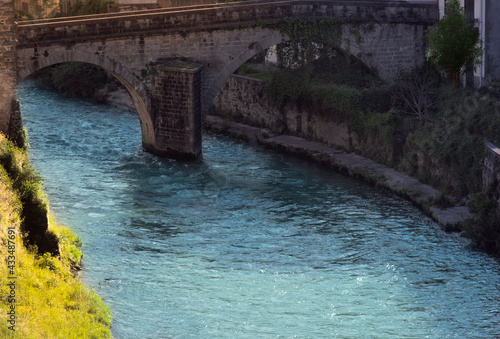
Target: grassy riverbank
point(41, 297)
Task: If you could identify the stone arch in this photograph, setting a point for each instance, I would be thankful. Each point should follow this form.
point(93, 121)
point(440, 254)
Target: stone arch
point(124, 75)
point(274, 38)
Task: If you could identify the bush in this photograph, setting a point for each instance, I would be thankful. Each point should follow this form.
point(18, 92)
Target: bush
point(344, 69)
point(485, 229)
point(286, 85)
point(376, 99)
point(335, 102)
point(464, 155)
point(415, 91)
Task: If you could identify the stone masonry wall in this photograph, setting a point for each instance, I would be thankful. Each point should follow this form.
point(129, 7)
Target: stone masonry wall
point(8, 80)
point(241, 100)
point(176, 111)
point(222, 17)
point(222, 38)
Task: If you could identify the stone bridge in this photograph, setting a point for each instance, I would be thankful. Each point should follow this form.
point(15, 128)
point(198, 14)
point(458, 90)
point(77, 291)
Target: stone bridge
point(174, 61)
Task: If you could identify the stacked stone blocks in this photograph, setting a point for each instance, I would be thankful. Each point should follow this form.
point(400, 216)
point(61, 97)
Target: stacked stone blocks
point(220, 38)
point(7, 63)
point(176, 108)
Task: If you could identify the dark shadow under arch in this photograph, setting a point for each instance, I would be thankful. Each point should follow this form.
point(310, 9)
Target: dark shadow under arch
point(124, 75)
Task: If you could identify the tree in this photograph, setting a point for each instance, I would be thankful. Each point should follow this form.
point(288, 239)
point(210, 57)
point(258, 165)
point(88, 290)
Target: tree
point(454, 47)
point(416, 91)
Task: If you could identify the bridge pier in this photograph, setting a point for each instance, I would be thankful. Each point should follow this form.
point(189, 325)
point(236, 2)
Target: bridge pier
point(176, 111)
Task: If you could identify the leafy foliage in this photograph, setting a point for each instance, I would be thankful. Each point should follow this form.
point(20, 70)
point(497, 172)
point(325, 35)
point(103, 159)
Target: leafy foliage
point(464, 155)
point(338, 102)
point(24, 15)
point(88, 7)
point(454, 47)
point(308, 40)
point(485, 229)
point(39, 9)
point(286, 85)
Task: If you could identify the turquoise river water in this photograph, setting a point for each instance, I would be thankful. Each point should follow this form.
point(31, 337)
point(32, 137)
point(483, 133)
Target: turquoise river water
point(247, 243)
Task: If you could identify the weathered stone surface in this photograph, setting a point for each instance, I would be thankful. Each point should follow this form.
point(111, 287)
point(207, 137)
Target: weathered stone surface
point(451, 218)
point(220, 38)
point(8, 80)
point(241, 99)
point(176, 111)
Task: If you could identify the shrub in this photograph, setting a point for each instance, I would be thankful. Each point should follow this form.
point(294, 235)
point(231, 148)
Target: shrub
point(335, 102)
point(484, 230)
point(415, 91)
point(286, 85)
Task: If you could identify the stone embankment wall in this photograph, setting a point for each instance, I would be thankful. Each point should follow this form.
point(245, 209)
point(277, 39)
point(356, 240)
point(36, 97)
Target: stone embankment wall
point(8, 81)
point(242, 100)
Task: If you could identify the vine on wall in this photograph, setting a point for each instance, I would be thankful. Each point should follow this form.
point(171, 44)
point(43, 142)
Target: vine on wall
point(309, 39)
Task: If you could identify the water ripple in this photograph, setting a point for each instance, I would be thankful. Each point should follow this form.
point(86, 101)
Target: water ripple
point(247, 243)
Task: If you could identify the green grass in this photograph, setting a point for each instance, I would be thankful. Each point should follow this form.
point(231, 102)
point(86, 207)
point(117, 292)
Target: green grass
point(50, 301)
point(251, 72)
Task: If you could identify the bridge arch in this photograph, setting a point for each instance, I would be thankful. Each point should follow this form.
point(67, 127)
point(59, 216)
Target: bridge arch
point(124, 75)
point(274, 38)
